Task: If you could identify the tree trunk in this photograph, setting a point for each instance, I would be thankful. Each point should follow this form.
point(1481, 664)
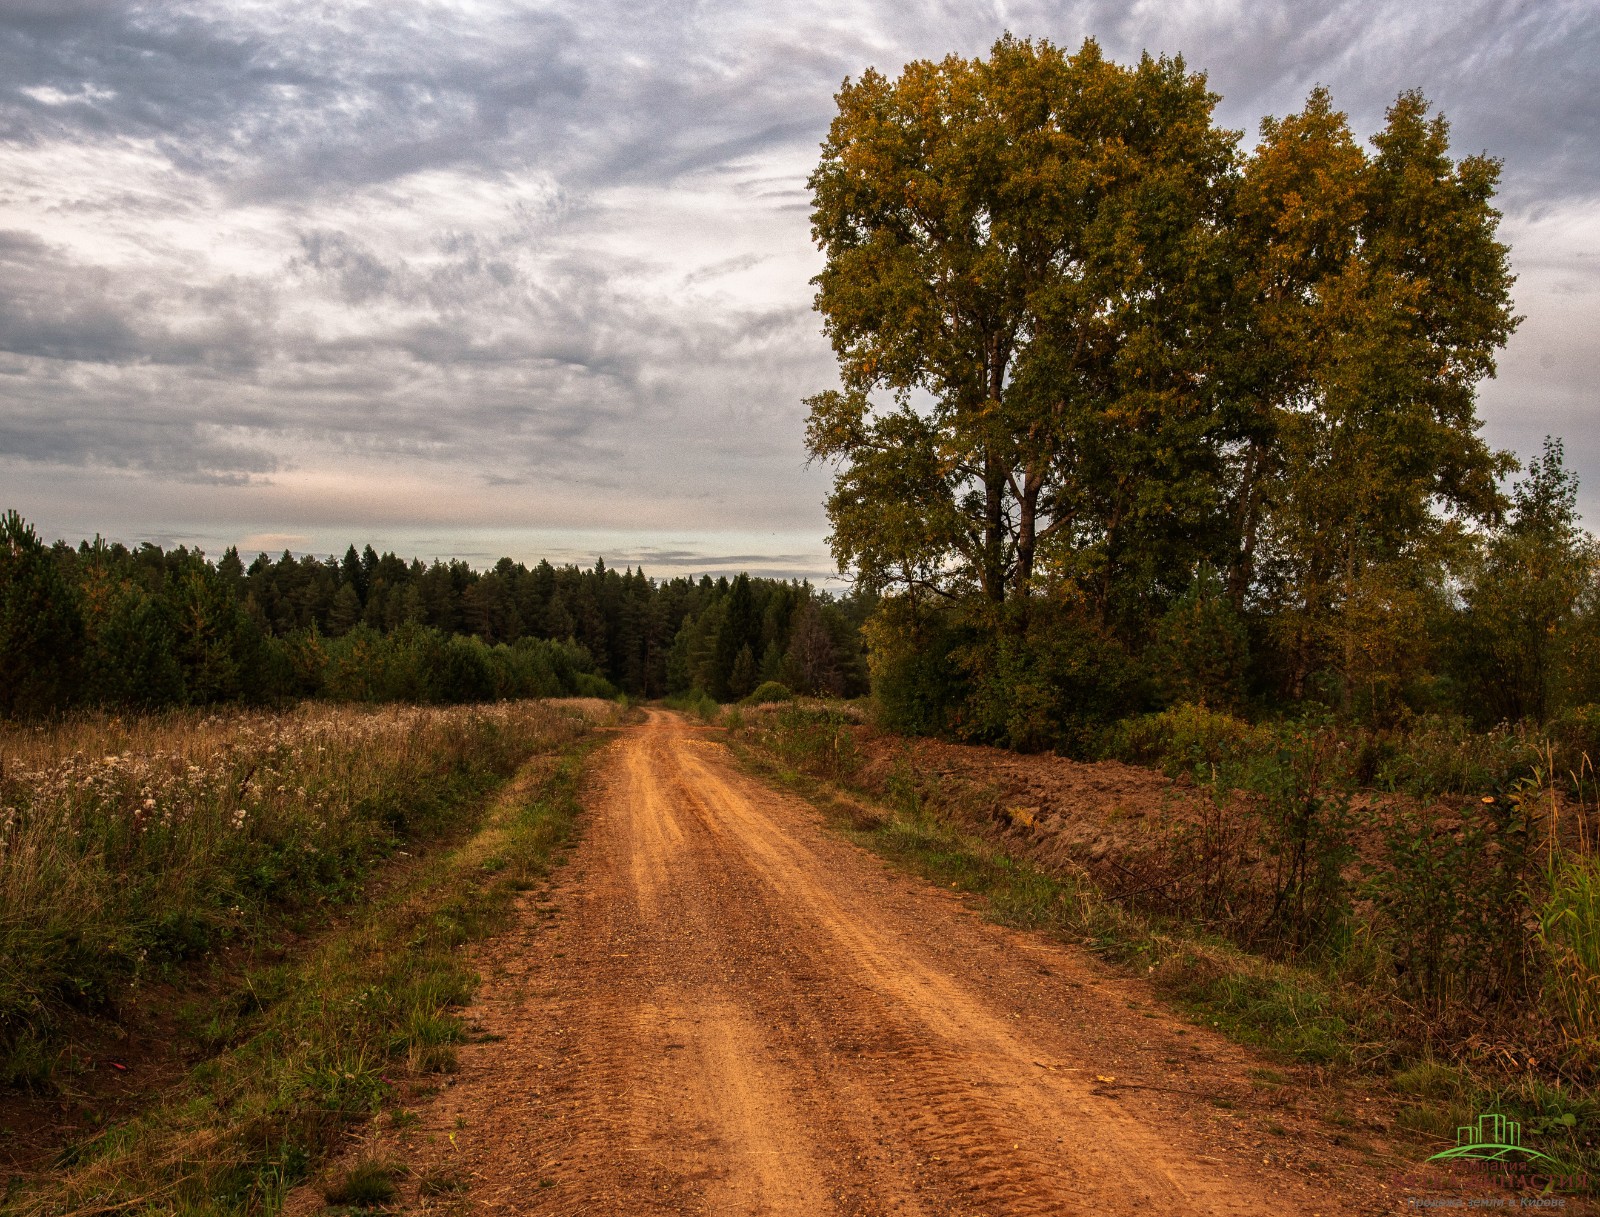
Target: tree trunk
point(1027, 530)
point(994, 537)
point(1248, 521)
point(996, 353)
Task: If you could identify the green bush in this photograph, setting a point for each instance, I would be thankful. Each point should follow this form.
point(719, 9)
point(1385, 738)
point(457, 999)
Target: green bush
point(916, 682)
point(1042, 675)
point(1577, 732)
point(1201, 651)
point(817, 741)
point(419, 664)
point(769, 691)
point(1301, 790)
point(697, 702)
point(1448, 901)
point(1433, 754)
point(591, 684)
point(1183, 739)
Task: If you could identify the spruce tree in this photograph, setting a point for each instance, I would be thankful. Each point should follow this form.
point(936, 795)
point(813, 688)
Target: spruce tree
point(41, 628)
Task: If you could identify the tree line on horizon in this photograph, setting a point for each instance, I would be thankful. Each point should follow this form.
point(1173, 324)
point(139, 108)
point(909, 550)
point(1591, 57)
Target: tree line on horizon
point(107, 626)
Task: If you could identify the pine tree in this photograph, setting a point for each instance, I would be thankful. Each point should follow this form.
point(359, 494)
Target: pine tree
point(742, 680)
point(739, 625)
point(345, 611)
point(813, 666)
point(353, 574)
point(41, 628)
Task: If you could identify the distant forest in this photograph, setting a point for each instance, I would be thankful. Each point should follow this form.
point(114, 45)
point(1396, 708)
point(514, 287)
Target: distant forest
point(103, 625)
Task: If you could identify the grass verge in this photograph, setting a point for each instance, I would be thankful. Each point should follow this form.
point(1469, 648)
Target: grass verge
point(1293, 1013)
point(330, 1038)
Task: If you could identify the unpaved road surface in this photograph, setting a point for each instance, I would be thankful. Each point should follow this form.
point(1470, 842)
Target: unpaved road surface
point(726, 1008)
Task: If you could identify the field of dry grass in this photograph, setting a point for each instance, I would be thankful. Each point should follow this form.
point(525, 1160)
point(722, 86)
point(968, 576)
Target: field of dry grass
point(130, 845)
point(282, 899)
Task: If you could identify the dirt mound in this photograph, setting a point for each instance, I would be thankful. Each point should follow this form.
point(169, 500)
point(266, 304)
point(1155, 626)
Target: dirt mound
point(1122, 824)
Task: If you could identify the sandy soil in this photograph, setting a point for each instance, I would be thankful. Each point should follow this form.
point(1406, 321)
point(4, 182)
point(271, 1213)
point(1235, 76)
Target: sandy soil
point(723, 1007)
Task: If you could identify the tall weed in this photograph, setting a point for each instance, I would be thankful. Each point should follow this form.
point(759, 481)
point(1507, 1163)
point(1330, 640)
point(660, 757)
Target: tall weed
point(817, 741)
point(1569, 933)
point(1447, 905)
point(1304, 795)
point(127, 846)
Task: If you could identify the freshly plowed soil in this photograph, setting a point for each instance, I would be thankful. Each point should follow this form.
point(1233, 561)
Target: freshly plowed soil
point(726, 1008)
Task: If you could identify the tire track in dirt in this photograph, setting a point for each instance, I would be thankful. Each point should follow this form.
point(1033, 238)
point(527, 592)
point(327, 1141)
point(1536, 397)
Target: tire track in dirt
point(736, 1011)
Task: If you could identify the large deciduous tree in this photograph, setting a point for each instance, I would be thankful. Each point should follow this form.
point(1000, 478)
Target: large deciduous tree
point(1022, 269)
point(1375, 296)
point(1085, 342)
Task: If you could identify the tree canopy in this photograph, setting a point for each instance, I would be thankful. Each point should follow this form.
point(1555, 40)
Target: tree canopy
point(1023, 254)
point(1105, 371)
point(1082, 336)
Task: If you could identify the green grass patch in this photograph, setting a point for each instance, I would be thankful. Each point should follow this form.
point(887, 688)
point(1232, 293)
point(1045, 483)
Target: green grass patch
point(367, 1184)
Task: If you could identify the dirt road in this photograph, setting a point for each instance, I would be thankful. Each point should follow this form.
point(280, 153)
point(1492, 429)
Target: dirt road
point(726, 1009)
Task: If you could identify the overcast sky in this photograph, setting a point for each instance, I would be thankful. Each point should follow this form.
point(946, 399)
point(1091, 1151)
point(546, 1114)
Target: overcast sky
point(473, 277)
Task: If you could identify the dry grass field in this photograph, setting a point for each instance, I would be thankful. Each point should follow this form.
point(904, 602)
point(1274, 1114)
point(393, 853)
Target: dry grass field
point(219, 931)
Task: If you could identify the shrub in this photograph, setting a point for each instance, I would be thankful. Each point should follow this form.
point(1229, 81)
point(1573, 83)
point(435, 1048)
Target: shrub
point(769, 691)
point(367, 1184)
point(1183, 739)
point(419, 664)
point(1434, 754)
point(1201, 651)
point(1577, 732)
point(697, 702)
point(917, 685)
point(1042, 675)
point(1448, 903)
point(817, 741)
point(1569, 933)
point(590, 684)
point(1302, 798)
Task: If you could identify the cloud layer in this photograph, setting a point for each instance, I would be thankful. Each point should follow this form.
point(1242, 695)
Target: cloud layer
point(447, 269)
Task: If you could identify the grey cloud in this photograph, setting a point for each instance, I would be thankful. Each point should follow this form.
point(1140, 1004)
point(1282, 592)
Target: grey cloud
point(60, 309)
point(428, 221)
point(685, 557)
point(615, 92)
point(359, 273)
point(727, 266)
point(312, 105)
point(150, 441)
